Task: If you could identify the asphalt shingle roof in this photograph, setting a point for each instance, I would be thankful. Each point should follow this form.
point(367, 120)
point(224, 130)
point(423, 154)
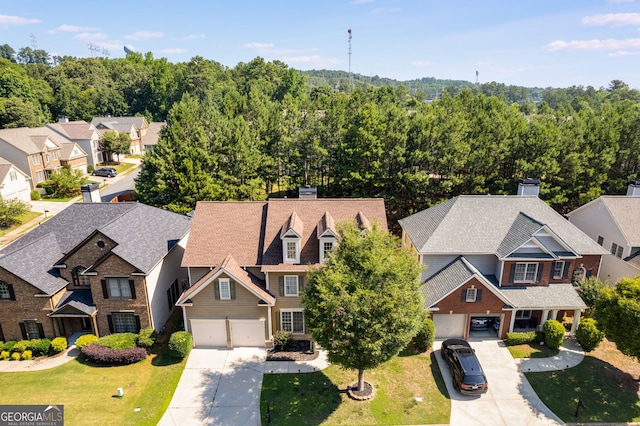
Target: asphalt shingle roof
point(625, 211)
point(553, 296)
point(74, 130)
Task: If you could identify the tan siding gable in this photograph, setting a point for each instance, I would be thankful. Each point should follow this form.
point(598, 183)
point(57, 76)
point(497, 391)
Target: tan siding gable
point(244, 306)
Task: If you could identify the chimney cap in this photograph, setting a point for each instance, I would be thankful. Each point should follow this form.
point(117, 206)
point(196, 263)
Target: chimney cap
point(529, 181)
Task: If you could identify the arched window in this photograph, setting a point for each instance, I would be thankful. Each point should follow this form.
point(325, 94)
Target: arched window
point(78, 277)
point(578, 274)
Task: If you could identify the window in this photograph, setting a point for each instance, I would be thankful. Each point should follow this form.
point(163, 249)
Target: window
point(225, 289)
point(35, 159)
point(327, 246)
point(558, 269)
point(13, 175)
point(78, 278)
point(40, 176)
point(290, 285)
point(46, 158)
point(471, 295)
point(119, 288)
point(32, 330)
point(523, 314)
point(292, 321)
point(525, 272)
point(124, 322)
point(55, 155)
point(578, 274)
point(617, 250)
point(292, 252)
point(600, 240)
point(619, 253)
point(5, 291)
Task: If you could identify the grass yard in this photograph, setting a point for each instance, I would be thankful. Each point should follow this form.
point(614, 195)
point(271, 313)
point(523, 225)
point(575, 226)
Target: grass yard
point(606, 381)
point(320, 398)
point(531, 350)
point(88, 392)
point(21, 220)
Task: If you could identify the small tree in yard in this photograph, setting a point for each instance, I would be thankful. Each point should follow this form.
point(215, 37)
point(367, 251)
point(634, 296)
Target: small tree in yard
point(588, 334)
point(589, 290)
point(364, 306)
point(115, 143)
point(66, 182)
point(10, 210)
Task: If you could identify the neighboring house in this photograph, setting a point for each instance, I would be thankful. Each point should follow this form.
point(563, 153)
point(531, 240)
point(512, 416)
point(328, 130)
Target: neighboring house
point(153, 132)
point(248, 263)
point(94, 267)
point(14, 183)
point(85, 135)
point(135, 126)
point(612, 221)
point(74, 157)
point(506, 258)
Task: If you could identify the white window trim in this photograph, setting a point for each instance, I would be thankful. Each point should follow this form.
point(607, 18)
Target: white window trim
point(524, 277)
point(222, 282)
point(285, 257)
point(297, 293)
point(282, 311)
point(321, 247)
point(471, 291)
point(522, 311)
point(126, 287)
point(555, 265)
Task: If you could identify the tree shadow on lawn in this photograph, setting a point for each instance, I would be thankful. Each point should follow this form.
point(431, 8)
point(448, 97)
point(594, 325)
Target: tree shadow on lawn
point(437, 375)
point(608, 393)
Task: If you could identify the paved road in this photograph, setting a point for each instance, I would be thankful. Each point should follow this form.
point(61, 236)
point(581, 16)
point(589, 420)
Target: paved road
point(118, 185)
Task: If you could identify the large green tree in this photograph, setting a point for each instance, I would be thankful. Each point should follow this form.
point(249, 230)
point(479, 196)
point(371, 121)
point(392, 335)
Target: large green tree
point(115, 143)
point(618, 315)
point(10, 210)
point(364, 306)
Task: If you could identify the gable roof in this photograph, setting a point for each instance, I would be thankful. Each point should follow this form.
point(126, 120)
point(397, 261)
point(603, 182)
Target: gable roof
point(490, 224)
point(71, 151)
point(143, 236)
point(120, 124)
point(32, 140)
point(153, 133)
point(250, 231)
point(5, 168)
point(625, 212)
point(74, 130)
point(238, 274)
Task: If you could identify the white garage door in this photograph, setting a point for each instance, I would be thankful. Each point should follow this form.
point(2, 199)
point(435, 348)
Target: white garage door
point(247, 333)
point(209, 333)
point(449, 325)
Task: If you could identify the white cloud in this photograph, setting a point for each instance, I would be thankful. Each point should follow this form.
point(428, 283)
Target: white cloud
point(421, 63)
point(193, 37)
point(623, 53)
point(312, 59)
point(90, 36)
point(172, 51)
point(614, 19)
point(258, 45)
point(8, 20)
point(72, 29)
point(608, 44)
point(144, 35)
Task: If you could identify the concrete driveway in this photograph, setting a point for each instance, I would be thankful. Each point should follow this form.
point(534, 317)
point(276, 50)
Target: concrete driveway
point(510, 400)
point(218, 386)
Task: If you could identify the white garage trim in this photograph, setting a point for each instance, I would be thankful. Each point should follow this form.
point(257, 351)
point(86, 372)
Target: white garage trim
point(450, 325)
point(209, 333)
point(247, 332)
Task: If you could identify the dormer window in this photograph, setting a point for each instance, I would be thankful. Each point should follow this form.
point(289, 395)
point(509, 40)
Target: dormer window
point(291, 235)
point(326, 246)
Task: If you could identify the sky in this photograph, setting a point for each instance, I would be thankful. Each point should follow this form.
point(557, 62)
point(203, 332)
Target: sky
point(542, 43)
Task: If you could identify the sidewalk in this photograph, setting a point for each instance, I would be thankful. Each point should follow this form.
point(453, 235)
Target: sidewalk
point(570, 355)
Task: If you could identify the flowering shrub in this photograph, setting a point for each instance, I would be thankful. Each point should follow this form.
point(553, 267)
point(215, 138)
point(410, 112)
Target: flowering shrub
point(15, 356)
point(85, 339)
point(4, 355)
point(26, 355)
point(103, 355)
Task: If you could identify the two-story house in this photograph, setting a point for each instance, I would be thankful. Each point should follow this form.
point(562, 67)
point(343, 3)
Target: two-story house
point(84, 134)
point(93, 267)
point(612, 221)
point(14, 183)
point(248, 264)
point(134, 126)
point(509, 259)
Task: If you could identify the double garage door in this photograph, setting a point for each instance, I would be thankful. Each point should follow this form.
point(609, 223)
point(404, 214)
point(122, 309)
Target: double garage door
point(213, 333)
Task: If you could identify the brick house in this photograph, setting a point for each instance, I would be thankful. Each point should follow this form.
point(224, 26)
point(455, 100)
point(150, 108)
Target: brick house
point(84, 134)
point(94, 267)
point(507, 260)
point(248, 263)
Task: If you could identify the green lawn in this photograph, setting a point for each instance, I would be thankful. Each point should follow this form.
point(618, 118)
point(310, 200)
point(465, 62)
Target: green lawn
point(22, 219)
point(599, 385)
point(88, 392)
point(531, 350)
point(320, 398)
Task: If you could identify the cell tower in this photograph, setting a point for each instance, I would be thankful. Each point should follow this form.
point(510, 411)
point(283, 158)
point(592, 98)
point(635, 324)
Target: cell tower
point(350, 75)
point(477, 73)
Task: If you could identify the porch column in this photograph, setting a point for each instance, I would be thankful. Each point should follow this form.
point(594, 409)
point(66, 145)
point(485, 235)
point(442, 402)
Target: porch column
point(94, 325)
point(554, 314)
point(544, 317)
point(513, 320)
point(576, 321)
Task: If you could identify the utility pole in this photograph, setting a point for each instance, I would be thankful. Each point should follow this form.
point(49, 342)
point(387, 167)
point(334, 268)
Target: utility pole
point(350, 75)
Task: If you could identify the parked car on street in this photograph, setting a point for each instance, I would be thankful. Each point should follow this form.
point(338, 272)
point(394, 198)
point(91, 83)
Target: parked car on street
point(105, 172)
point(467, 374)
point(479, 323)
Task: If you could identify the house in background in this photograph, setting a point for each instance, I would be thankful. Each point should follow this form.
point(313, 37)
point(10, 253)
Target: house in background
point(507, 260)
point(14, 183)
point(83, 134)
point(248, 263)
point(612, 221)
point(135, 126)
point(153, 132)
point(94, 267)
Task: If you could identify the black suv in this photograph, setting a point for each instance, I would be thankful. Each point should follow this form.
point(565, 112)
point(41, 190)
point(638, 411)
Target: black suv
point(468, 377)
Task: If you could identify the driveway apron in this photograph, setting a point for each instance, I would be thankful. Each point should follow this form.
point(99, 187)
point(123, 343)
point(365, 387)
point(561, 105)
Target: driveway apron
point(510, 400)
point(218, 386)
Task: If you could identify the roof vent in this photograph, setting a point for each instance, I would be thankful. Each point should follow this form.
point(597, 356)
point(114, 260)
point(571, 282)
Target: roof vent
point(529, 187)
point(308, 192)
point(633, 190)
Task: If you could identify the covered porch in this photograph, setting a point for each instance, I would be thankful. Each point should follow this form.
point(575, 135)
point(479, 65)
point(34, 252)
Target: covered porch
point(75, 313)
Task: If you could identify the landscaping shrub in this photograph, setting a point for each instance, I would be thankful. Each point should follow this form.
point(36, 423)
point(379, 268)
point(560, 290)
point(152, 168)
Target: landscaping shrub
point(4, 355)
point(181, 343)
point(521, 337)
point(35, 195)
point(20, 346)
point(119, 341)
point(281, 339)
point(48, 186)
point(15, 356)
point(58, 345)
point(85, 339)
point(26, 355)
point(39, 347)
point(553, 334)
point(588, 334)
point(90, 168)
point(103, 355)
point(426, 335)
point(8, 346)
point(146, 338)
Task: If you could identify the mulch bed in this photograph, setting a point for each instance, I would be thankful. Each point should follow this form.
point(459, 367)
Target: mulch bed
point(365, 394)
point(296, 350)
